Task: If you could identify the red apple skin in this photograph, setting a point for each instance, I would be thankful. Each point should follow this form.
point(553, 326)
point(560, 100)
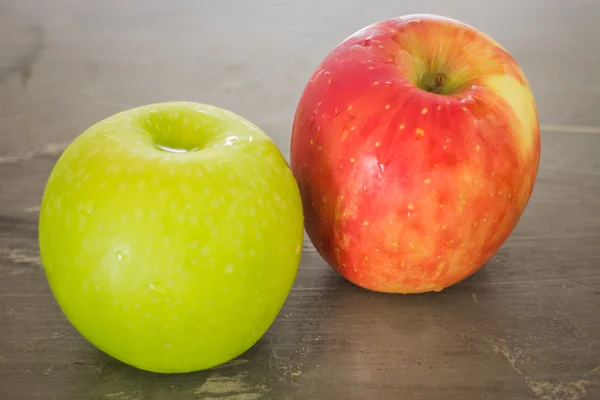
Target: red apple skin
point(404, 190)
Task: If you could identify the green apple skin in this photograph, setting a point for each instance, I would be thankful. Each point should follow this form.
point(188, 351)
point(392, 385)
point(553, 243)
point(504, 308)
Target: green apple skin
point(171, 261)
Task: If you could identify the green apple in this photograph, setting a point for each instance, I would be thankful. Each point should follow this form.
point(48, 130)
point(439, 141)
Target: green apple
point(171, 235)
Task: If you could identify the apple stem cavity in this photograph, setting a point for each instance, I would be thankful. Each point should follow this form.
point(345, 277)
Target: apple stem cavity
point(433, 82)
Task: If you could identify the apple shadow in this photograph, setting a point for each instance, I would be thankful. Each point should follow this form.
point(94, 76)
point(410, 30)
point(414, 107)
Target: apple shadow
point(339, 335)
point(330, 333)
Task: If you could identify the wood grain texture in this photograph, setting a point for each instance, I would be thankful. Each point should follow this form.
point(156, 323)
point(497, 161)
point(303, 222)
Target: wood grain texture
point(524, 327)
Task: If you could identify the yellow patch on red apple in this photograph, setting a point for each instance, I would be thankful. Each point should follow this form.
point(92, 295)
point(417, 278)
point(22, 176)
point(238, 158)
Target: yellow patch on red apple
point(520, 100)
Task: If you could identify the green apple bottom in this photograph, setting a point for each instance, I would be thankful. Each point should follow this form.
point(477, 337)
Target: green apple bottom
point(171, 235)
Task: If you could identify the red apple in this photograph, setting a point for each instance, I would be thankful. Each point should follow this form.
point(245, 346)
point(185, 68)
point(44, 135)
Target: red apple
point(416, 148)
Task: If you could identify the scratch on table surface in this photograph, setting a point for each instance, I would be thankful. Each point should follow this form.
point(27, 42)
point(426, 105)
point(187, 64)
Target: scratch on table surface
point(569, 390)
point(117, 395)
point(58, 334)
point(50, 149)
point(515, 358)
point(234, 387)
point(231, 363)
point(19, 257)
point(543, 389)
point(121, 396)
point(475, 298)
point(273, 354)
point(597, 369)
point(241, 396)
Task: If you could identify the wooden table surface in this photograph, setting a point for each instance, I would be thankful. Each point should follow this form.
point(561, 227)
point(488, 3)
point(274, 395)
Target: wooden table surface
point(525, 327)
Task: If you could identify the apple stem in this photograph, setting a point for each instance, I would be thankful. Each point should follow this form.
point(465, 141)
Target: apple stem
point(433, 83)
